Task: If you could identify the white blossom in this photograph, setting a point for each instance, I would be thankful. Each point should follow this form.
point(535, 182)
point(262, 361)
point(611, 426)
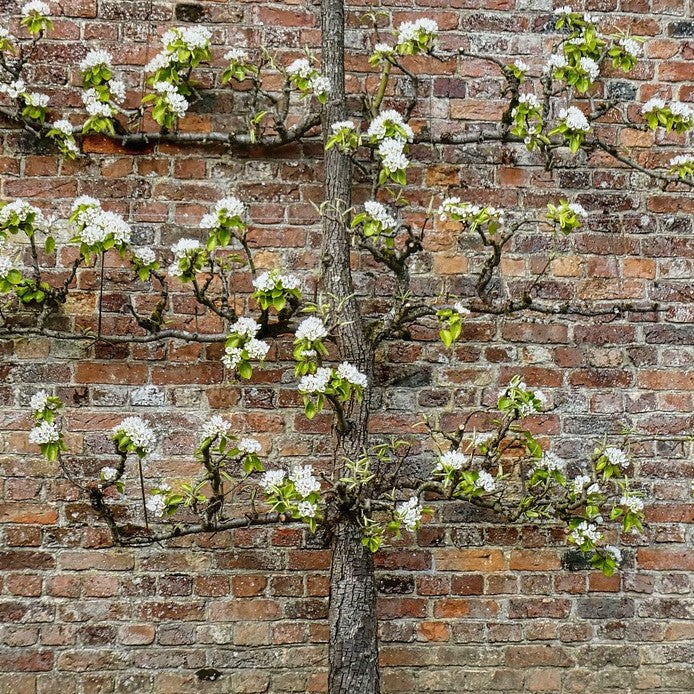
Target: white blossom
point(530, 100)
point(392, 155)
point(409, 31)
point(633, 503)
point(315, 383)
point(577, 209)
point(6, 266)
point(320, 85)
point(36, 7)
point(311, 329)
point(96, 57)
point(556, 61)
point(377, 211)
point(451, 460)
point(84, 201)
point(185, 246)
point(551, 462)
point(39, 401)
point(245, 327)
point(145, 255)
point(236, 55)
point(4, 33)
point(13, 89)
point(267, 281)
point(654, 104)
point(684, 111)
point(63, 126)
point(585, 531)
point(304, 481)
point(352, 374)
point(108, 474)
point(306, 509)
point(44, 433)
point(300, 68)
point(593, 489)
point(232, 357)
point(156, 504)
point(410, 513)
point(682, 159)
point(383, 49)
point(485, 481)
point(521, 65)
point(161, 60)
point(138, 431)
point(579, 483)
point(22, 210)
point(574, 119)
point(36, 99)
point(176, 102)
point(231, 206)
point(377, 127)
point(563, 11)
point(342, 125)
point(249, 445)
point(193, 37)
point(614, 552)
point(616, 456)
point(460, 309)
point(631, 46)
point(256, 349)
point(272, 479)
point(117, 89)
point(590, 67)
point(94, 106)
point(215, 426)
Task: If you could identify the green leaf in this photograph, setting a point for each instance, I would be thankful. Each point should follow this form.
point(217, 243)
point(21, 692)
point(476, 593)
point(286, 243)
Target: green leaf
point(49, 244)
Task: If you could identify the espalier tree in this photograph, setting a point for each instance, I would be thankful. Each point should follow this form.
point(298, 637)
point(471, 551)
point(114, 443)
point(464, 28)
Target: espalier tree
point(370, 493)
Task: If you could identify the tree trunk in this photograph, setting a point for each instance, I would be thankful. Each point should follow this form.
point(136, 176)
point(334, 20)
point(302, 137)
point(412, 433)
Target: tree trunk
point(353, 648)
point(353, 651)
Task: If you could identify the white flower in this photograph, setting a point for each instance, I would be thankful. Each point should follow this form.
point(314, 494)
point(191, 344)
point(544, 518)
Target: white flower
point(6, 265)
point(577, 209)
point(145, 255)
point(392, 155)
point(84, 201)
point(590, 67)
point(593, 489)
point(63, 126)
point(184, 247)
point(156, 504)
point(23, 210)
point(177, 103)
point(138, 431)
point(267, 281)
point(272, 479)
point(541, 400)
point(245, 327)
point(44, 433)
point(94, 106)
point(236, 55)
point(316, 383)
point(231, 206)
point(306, 509)
point(409, 31)
point(631, 46)
point(232, 357)
point(300, 68)
point(249, 445)
point(453, 460)
point(585, 532)
point(4, 33)
point(342, 125)
point(682, 159)
point(530, 100)
point(320, 85)
point(39, 401)
point(484, 437)
point(377, 211)
point(304, 481)
point(410, 513)
point(383, 49)
point(36, 7)
point(36, 99)
point(13, 89)
point(616, 456)
point(579, 483)
point(257, 349)
point(377, 127)
point(633, 503)
point(193, 37)
point(654, 104)
point(574, 119)
point(96, 57)
point(522, 66)
point(161, 60)
point(460, 309)
point(117, 89)
point(561, 11)
point(352, 374)
point(485, 481)
point(116, 226)
point(614, 552)
point(551, 462)
point(677, 108)
point(311, 329)
point(108, 474)
point(556, 61)
point(215, 426)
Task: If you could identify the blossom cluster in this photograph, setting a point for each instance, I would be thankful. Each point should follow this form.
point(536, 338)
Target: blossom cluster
point(242, 346)
point(225, 221)
point(409, 513)
point(134, 435)
point(308, 80)
point(275, 288)
point(337, 383)
point(97, 230)
point(417, 37)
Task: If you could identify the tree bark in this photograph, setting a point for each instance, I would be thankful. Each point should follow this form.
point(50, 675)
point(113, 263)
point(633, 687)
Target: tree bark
point(353, 648)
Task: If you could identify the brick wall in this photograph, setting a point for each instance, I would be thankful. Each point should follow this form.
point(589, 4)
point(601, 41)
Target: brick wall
point(467, 605)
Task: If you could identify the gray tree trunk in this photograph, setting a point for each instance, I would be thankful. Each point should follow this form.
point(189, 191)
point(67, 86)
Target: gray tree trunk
point(353, 648)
